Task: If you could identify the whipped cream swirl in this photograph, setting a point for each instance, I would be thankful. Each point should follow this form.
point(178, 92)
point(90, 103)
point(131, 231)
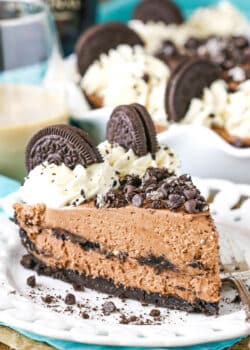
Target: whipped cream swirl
point(222, 20)
point(57, 186)
point(127, 75)
point(218, 107)
point(128, 163)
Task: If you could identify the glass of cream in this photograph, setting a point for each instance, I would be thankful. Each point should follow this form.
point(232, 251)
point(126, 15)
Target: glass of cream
point(29, 59)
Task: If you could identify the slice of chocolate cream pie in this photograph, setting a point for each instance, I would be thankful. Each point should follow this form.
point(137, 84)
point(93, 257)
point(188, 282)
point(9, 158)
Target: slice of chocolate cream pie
point(117, 218)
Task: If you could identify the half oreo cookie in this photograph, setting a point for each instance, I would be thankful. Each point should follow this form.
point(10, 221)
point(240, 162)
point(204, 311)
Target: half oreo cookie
point(100, 39)
point(186, 82)
point(164, 11)
point(61, 144)
point(131, 127)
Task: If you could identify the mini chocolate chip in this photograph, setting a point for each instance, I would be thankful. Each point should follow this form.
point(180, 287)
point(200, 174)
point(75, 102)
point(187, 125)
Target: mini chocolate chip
point(155, 313)
point(137, 200)
point(108, 308)
point(129, 188)
point(175, 201)
point(48, 299)
point(190, 194)
point(85, 316)
point(164, 190)
point(78, 287)
point(70, 299)
point(191, 206)
point(31, 281)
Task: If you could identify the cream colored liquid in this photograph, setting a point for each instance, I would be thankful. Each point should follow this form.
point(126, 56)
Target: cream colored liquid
point(23, 111)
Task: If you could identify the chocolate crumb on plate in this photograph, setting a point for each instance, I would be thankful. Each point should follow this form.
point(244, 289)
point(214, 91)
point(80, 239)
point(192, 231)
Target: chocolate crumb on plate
point(31, 281)
point(70, 299)
point(27, 262)
point(155, 313)
point(85, 315)
point(48, 299)
point(109, 308)
point(78, 287)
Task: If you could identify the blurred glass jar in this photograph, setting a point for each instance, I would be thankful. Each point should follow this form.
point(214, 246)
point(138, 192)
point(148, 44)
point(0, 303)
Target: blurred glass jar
point(28, 54)
point(72, 18)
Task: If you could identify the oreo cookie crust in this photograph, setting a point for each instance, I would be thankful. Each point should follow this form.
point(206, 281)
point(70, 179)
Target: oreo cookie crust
point(164, 11)
point(102, 38)
point(61, 144)
point(186, 82)
point(131, 127)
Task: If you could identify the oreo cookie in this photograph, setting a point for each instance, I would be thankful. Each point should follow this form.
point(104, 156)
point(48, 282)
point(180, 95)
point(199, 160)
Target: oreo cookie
point(186, 82)
point(61, 144)
point(131, 127)
point(164, 11)
point(100, 39)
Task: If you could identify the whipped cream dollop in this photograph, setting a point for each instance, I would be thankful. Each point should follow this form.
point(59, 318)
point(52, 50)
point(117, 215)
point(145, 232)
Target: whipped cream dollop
point(222, 20)
point(58, 186)
point(228, 110)
point(127, 75)
point(128, 163)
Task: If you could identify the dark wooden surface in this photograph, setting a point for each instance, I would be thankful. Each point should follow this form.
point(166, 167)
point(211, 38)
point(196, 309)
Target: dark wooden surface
point(14, 341)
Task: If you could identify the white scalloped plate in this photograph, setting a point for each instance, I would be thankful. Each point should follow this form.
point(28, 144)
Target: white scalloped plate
point(21, 307)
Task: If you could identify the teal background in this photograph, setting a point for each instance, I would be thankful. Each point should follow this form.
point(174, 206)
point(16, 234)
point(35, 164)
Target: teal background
point(121, 10)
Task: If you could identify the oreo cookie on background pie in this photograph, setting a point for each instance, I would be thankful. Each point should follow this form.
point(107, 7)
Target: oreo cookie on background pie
point(102, 38)
point(61, 144)
point(165, 11)
point(131, 127)
point(186, 82)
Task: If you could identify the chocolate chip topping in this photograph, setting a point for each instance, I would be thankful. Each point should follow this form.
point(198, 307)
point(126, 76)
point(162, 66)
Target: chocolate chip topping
point(61, 144)
point(164, 11)
point(158, 189)
point(100, 39)
point(187, 81)
point(131, 127)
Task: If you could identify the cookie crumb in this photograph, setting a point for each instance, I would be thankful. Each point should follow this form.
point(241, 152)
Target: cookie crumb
point(31, 281)
point(108, 308)
point(155, 313)
point(70, 299)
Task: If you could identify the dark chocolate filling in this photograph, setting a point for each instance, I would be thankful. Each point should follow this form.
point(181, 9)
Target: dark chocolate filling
point(158, 263)
point(108, 286)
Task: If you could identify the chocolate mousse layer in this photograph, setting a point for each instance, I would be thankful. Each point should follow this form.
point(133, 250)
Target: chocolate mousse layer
point(164, 257)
